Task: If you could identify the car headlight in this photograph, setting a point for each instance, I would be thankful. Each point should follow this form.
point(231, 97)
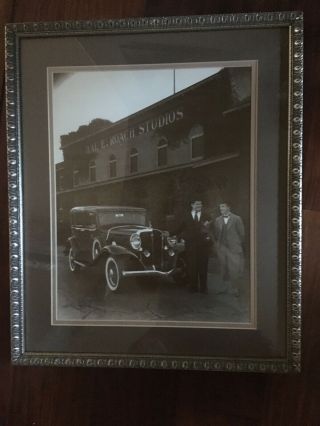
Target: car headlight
point(172, 241)
point(135, 241)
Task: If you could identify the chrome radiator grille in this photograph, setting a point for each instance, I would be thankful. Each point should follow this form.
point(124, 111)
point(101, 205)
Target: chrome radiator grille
point(152, 241)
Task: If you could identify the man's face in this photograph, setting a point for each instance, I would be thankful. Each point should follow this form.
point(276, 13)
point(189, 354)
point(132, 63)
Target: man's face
point(196, 206)
point(224, 209)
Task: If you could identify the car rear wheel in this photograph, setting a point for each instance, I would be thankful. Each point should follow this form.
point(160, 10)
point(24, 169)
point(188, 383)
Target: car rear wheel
point(113, 273)
point(96, 250)
point(72, 265)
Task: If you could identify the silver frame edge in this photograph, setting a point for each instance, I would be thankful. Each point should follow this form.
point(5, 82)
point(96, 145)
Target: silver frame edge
point(15, 31)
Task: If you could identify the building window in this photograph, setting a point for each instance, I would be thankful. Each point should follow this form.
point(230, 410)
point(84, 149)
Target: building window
point(92, 171)
point(76, 177)
point(60, 180)
point(133, 160)
point(162, 153)
point(60, 215)
point(197, 147)
point(112, 166)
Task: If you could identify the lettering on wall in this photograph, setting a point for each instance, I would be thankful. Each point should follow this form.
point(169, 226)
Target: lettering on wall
point(145, 127)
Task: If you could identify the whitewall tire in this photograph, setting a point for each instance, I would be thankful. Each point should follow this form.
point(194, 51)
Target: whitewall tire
point(113, 273)
point(96, 250)
point(72, 265)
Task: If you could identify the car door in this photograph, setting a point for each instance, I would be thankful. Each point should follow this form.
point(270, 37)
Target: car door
point(84, 227)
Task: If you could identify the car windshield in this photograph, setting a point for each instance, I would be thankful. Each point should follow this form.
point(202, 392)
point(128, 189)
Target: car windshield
point(122, 217)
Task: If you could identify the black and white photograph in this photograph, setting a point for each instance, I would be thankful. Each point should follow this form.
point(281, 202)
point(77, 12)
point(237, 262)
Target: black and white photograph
point(156, 192)
point(152, 206)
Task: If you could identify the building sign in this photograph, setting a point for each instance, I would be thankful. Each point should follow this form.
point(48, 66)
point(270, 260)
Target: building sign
point(129, 134)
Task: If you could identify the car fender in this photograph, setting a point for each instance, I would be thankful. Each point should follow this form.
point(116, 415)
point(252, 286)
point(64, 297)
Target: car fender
point(72, 242)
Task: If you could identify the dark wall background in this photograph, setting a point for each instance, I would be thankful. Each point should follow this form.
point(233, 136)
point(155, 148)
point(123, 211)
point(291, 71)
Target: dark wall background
point(83, 397)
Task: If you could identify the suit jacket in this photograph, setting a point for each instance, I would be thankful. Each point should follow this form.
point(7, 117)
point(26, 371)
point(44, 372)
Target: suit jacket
point(234, 233)
point(195, 233)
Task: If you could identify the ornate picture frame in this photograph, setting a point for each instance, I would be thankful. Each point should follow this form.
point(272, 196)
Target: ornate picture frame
point(155, 192)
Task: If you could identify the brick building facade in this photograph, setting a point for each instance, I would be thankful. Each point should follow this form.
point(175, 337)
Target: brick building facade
point(195, 143)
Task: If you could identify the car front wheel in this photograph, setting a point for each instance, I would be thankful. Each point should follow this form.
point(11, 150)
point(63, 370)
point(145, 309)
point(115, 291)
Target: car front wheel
point(113, 273)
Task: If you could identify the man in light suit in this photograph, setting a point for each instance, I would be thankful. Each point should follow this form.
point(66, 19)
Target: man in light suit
point(229, 238)
point(194, 230)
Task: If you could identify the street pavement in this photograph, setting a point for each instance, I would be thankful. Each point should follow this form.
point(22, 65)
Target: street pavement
point(84, 298)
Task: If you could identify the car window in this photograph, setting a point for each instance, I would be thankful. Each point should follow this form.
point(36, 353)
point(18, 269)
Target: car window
point(83, 219)
point(122, 217)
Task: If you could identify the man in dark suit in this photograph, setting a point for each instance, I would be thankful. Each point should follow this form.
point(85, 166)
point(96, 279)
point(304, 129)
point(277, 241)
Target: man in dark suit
point(194, 230)
point(229, 238)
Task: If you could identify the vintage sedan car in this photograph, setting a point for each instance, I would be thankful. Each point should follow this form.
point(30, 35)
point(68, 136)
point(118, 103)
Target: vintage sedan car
point(122, 240)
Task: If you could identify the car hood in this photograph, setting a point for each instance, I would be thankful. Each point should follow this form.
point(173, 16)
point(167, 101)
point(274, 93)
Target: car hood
point(127, 229)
